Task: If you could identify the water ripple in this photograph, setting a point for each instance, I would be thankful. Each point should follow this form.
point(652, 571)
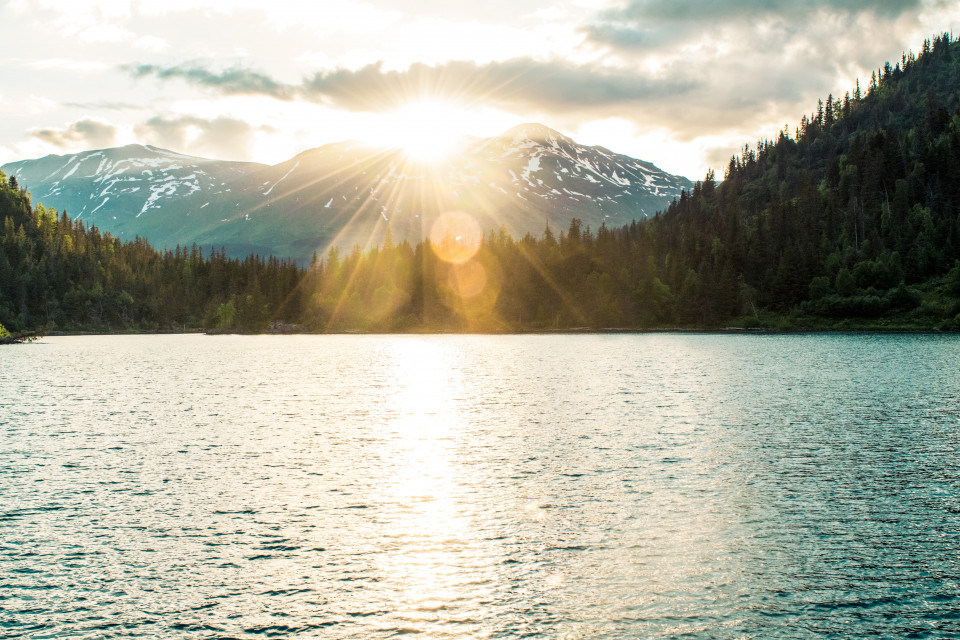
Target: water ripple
point(616, 486)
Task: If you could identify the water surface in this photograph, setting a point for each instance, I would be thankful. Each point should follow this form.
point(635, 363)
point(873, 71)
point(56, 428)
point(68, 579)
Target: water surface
point(586, 486)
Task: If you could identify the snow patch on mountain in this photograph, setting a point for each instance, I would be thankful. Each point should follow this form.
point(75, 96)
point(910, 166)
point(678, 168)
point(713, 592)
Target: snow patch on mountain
point(73, 170)
point(105, 201)
point(156, 192)
point(285, 176)
point(533, 165)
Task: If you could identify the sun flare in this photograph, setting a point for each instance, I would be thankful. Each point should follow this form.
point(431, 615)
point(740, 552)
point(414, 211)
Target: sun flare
point(425, 131)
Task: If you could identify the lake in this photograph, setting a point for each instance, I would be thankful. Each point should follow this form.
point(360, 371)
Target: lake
point(549, 486)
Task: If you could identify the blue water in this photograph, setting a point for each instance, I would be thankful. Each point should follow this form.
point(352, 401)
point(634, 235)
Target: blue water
point(586, 486)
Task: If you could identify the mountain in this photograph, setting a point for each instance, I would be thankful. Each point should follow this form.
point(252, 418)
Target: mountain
point(347, 193)
point(134, 180)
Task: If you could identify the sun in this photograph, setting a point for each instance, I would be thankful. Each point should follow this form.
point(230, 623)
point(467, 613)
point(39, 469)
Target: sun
point(426, 147)
point(426, 131)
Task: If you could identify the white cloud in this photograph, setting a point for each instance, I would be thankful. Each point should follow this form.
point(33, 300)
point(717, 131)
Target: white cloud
point(434, 41)
point(340, 17)
point(109, 33)
point(343, 15)
point(104, 8)
point(40, 105)
point(87, 12)
point(152, 44)
point(73, 65)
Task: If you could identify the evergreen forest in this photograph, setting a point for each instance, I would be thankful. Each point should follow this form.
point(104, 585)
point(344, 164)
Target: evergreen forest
point(850, 221)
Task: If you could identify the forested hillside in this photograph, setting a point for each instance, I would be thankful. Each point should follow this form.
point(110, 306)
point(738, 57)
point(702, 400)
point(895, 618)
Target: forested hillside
point(829, 222)
point(56, 274)
point(851, 220)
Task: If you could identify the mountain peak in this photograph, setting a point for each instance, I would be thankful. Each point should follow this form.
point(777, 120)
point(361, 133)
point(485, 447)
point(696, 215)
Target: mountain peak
point(533, 132)
point(137, 150)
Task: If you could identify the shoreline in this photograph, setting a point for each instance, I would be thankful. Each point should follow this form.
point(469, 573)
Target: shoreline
point(573, 331)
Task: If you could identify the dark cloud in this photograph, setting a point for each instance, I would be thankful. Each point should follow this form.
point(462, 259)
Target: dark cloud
point(105, 106)
point(86, 134)
point(219, 137)
point(514, 83)
point(703, 10)
point(521, 82)
point(648, 24)
point(622, 36)
point(758, 62)
point(230, 81)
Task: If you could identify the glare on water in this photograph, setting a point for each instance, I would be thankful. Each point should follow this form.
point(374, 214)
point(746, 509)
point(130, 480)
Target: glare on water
point(432, 559)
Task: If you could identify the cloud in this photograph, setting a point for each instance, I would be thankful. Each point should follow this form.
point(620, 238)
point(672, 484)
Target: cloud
point(651, 25)
point(151, 43)
point(727, 70)
point(100, 33)
point(221, 137)
point(104, 106)
point(700, 11)
point(83, 134)
point(519, 83)
point(67, 64)
point(231, 81)
point(760, 61)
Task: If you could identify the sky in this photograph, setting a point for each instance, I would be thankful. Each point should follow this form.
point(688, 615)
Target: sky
point(681, 83)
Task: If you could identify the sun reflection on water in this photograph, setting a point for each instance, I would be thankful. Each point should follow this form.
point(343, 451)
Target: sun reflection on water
point(433, 563)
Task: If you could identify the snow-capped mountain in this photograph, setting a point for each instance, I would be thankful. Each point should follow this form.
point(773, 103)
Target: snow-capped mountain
point(548, 165)
point(122, 182)
point(347, 193)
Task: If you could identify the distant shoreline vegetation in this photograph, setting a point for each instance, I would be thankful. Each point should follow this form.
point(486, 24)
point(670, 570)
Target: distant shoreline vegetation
point(784, 327)
point(556, 284)
point(16, 338)
point(852, 223)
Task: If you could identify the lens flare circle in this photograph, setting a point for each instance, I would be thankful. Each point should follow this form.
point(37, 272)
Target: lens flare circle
point(455, 237)
point(468, 279)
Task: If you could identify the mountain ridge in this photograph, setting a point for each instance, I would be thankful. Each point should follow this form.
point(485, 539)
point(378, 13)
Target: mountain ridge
point(346, 193)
